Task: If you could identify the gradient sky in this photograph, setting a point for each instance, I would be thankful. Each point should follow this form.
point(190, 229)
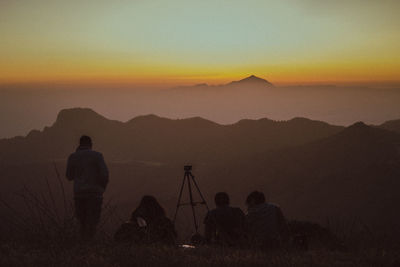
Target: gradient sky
point(183, 42)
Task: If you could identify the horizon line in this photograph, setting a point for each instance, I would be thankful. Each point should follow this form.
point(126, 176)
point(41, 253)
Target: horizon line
point(172, 83)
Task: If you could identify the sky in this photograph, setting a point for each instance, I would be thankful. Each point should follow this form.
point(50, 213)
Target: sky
point(186, 42)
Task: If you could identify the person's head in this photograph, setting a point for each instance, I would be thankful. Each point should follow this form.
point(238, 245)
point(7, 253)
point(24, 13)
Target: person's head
point(221, 199)
point(150, 208)
point(255, 198)
point(85, 141)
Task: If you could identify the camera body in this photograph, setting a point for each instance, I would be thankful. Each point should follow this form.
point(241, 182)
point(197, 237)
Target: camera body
point(187, 168)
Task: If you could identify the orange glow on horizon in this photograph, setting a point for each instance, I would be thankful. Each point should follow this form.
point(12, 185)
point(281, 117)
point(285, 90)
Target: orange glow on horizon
point(170, 77)
point(144, 44)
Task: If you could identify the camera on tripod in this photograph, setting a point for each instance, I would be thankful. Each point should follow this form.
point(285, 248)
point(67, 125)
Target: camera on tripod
point(190, 181)
point(187, 168)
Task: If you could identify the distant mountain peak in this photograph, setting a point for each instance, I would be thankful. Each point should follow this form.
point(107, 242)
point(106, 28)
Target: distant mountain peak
point(358, 127)
point(360, 130)
point(65, 113)
point(200, 85)
point(252, 80)
point(252, 77)
point(359, 124)
point(147, 118)
point(392, 125)
point(73, 115)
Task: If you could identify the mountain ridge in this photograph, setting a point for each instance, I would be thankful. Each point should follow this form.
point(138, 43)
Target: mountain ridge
point(85, 115)
point(393, 125)
point(66, 116)
point(164, 135)
point(252, 81)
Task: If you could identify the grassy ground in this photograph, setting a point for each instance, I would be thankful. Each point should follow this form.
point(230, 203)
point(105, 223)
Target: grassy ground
point(110, 254)
point(42, 235)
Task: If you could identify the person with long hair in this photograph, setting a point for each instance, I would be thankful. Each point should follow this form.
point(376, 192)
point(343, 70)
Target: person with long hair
point(266, 224)
point(148, 225)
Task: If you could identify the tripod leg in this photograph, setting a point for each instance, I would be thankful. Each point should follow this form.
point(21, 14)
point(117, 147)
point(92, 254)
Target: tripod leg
point(192, 204)
point(198, 190)
point(179, 198)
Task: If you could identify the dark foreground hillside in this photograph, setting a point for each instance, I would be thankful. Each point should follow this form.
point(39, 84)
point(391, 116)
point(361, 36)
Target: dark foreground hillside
point(108, 254)
point(46, 236)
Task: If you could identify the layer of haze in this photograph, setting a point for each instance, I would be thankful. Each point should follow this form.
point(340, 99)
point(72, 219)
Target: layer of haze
point(183, 42)
point(22, 110)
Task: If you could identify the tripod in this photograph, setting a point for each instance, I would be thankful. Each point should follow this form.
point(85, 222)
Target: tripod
point(189, 178)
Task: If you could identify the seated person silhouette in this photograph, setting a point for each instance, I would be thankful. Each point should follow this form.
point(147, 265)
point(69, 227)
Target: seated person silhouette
point(148, 225)
point(224, 225)
point(265, 224)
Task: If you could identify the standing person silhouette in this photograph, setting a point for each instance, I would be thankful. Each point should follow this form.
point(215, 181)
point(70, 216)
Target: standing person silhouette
point(89, 172)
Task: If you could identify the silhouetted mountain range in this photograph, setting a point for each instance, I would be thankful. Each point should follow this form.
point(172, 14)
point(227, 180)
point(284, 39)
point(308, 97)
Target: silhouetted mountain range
point(313, 169)
point(159, 139)
point(250, 82)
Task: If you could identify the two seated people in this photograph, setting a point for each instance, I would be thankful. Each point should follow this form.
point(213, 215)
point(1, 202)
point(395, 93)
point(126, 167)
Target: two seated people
point(263, 226)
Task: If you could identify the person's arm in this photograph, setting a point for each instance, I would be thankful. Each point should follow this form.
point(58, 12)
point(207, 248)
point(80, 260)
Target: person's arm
point(69, 173)
point(103, 172)
point(283, 227)
point(242, 226)
point(242, 217)
point(168, 232)
point(247, 228)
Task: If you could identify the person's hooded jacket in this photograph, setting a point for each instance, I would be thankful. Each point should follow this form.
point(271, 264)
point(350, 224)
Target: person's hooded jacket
point(89, 172)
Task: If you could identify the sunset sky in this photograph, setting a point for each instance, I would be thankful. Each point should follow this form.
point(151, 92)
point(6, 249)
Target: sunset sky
point(183, 42)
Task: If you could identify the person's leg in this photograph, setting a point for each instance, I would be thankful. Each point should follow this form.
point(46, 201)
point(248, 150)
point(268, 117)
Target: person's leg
point(93, 216)
point(80, 213)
